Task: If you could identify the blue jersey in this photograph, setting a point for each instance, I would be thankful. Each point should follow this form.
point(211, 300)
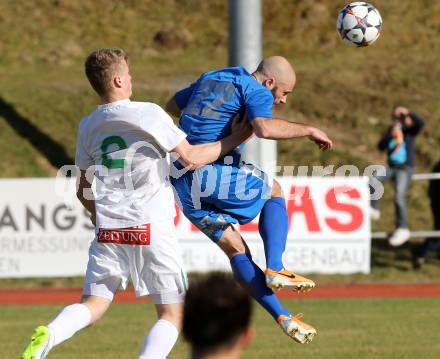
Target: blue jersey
point(210, 104)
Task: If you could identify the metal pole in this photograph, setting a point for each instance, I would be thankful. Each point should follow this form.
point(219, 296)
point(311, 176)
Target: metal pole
point(245, 49)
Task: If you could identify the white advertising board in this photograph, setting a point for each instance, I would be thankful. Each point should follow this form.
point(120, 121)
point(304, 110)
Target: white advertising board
point(329, 230)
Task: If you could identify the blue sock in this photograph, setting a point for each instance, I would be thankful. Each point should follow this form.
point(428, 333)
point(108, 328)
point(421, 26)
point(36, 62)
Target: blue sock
point(252, 278)
point(273, 227)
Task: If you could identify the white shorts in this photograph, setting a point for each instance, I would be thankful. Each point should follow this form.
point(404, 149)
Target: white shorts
point(149, 255)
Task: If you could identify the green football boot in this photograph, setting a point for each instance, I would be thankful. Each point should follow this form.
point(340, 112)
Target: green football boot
point(39, 345)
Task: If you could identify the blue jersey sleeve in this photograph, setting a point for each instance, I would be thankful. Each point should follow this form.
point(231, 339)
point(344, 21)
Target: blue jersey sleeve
point(259, 103)
point(182, 97)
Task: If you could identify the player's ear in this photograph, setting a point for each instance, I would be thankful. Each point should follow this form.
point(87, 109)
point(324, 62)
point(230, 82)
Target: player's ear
point(117, 81)
point(269, 83)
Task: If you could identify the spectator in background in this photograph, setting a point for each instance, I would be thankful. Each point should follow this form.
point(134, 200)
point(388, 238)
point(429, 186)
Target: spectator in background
point(421, 251)
point(216, 319)
point(398, 141)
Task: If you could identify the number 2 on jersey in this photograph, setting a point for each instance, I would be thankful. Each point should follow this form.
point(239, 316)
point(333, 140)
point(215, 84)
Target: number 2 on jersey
point(108, 162)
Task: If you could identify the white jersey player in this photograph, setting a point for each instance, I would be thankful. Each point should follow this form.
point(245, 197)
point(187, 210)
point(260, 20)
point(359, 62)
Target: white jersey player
point(123, 146)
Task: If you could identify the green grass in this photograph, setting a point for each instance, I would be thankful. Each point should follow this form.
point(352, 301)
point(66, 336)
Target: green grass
point(347, 91)
point(350, 328)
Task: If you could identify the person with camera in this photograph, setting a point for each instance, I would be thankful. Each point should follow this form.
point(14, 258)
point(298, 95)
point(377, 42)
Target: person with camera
point(398, 141)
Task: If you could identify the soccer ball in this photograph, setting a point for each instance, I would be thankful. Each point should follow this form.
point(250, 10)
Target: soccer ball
point(359, 23)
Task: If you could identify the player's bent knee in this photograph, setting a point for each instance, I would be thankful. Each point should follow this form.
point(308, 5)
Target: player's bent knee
point(277, 191)
point(171, 312)
point(97, 306)
point(231, 242)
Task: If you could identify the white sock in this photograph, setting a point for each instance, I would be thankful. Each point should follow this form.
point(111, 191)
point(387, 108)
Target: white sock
point(71, 319)
point(159, 341)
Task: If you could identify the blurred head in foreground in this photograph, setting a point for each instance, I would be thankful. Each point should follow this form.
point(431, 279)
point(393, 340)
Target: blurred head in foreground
point(216, 319)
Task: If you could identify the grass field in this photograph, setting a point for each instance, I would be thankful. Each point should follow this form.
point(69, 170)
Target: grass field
point(347, 91)
point(350, 328)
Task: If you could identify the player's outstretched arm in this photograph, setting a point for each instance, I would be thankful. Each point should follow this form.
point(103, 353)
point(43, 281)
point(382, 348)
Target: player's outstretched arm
point(84, 186)
point(197, 156)
point(278, 129)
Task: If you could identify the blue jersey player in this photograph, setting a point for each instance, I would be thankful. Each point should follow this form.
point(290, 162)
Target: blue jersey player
point(230, 191)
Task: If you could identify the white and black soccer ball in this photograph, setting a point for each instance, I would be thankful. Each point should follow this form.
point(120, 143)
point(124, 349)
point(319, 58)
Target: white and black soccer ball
point(359, 23)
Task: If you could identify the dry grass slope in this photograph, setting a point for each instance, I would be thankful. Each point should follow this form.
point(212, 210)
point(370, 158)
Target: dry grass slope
point(347, 91)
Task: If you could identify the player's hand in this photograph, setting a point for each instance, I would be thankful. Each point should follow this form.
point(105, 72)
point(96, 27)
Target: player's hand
point(396, 130)
point(401, 112)
point(241, 127)
point(321, 139)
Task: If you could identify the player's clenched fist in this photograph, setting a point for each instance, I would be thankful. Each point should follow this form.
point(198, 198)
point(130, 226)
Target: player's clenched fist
point(320, 138)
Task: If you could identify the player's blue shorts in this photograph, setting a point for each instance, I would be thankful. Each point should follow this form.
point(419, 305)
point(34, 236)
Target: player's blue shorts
point(227, 191)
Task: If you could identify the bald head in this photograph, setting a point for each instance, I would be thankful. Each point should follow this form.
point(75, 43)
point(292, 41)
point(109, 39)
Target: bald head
point(276, 73)
point(277, 67)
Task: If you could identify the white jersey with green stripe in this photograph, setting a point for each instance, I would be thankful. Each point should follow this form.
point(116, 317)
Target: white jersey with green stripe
point(125, 144)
